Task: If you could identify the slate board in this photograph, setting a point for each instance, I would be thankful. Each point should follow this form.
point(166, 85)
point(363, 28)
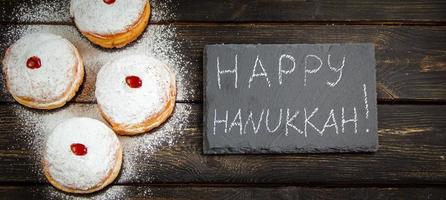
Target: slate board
point(292, 98)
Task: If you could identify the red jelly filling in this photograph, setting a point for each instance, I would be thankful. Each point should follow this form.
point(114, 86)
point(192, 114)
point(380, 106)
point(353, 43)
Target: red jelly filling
point(79, 149)
point(133, 81)
point(33, 62)
point(109, 1)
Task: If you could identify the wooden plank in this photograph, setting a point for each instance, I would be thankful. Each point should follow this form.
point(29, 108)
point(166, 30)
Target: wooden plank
point(411, 64)
point(226, 193)
point(53, 11)
point(412, 151)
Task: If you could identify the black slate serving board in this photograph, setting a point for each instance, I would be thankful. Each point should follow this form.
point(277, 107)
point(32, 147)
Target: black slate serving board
point(289, 98)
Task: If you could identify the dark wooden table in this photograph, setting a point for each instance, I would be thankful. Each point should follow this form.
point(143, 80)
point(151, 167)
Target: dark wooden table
point(410, 42)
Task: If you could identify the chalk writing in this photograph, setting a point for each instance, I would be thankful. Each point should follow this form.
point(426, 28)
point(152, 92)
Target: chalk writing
point(262, 74)
point(281, 70)
point(311, 71)
point(227, 71)
point(279, 122)
point(225, 121)
point(313, 64)
point(289, 120)
point(332, 84)
point(250, 119)
point(255, 120)
point(237, 122)
point(354, 120)
point(365, 101)
point(289, 98)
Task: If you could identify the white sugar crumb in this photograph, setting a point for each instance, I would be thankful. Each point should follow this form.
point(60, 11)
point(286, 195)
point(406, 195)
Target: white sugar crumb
point(163, 10)
point(141, 149)
point(41, 11)
point(110, 193)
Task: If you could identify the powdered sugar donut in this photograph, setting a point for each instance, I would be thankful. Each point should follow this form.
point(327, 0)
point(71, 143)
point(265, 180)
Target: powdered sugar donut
point(135, 93)
point(82, 155)
point(111, 23)
point(42, 70)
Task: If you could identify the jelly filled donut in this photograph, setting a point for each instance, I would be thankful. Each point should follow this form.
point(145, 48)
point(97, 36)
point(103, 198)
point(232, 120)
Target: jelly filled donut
point(82, 155)
point(111, 23)
point(135, 93)
point(42, 71)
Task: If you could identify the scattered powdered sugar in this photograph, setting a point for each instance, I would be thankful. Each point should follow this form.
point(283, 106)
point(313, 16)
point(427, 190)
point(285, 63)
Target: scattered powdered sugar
point(163, 10)
point(140, 149)
point(110, 193)
point(159, 41)
point(39, 11)
point(36, 125)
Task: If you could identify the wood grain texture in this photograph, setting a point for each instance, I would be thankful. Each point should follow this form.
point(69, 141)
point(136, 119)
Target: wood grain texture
point(227, 193)
point(411, 63)
point(412, 151)
point(22, 11)
point(411, 68)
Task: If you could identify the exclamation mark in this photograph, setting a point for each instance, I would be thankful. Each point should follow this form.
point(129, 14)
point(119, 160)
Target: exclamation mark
point(366, 104)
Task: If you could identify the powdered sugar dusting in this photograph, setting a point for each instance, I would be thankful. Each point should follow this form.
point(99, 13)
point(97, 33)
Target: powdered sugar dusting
point(98, 17)
point(159, 41)
point(126, 105)
point(36, 125)
point(86, 171)
point(40, 11)
point(111, 193)
point(140, 149)
point(59, 11)
point(163, 10)
point(53, 79)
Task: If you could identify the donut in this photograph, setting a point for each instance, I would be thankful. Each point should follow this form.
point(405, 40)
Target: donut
point(82, 155)
point(111, 23)
point(42, 71)
point(135, 93)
